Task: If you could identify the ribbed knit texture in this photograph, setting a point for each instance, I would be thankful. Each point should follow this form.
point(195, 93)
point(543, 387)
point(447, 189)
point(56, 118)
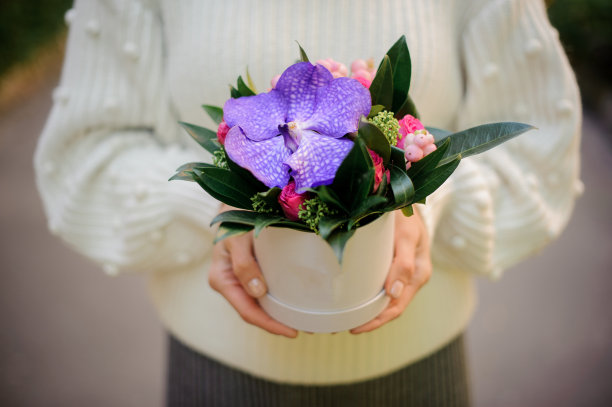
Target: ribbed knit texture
point(440, 379)
point(134, 68)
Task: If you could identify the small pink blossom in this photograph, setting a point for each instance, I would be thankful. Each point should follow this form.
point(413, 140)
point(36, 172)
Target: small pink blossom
point(336, 68)
point(222, 132)
point(274, 80)
point(290, 200)
point(408, 124)
point(379, 169)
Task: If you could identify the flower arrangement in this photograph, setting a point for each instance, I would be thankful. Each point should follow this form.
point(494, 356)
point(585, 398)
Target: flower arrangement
point(326, 153)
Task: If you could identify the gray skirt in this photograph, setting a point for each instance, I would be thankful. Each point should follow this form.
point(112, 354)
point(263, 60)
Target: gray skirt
point(440, 379)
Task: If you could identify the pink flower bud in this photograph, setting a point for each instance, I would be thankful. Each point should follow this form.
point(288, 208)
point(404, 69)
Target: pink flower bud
point(359, 65)
point(405, 140)
point(274, 81)
point(379, 169)
point(336, 68)
point(428, 149)
point(423, 139)
point(222, 132)
point(290, 201)
point(365, 82)
point(410, 124)
point(413, 153)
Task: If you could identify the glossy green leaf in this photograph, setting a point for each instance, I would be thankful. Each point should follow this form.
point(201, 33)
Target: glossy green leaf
point(381, 88)
point(234, 93)
point(246, 176)
point(204, 137)
point(243, 88)
point(481, 138)
point(231, 229)
point(408, 107)
point(352, 173)
point(242, 217)
point(374, 139)
point(439, 134)
point(428, 163)
point(303, 56)
point(328, 196)
point(182, 176)
point(399, 57)
point(227, 184)
point(215, 113)
point(328, 225)
point(402, 187)
point(435, 179)
point(408, 211)
point(264, 221)
point(338, 239)
point(375, 110)
point(229, 200)
point(397, 157)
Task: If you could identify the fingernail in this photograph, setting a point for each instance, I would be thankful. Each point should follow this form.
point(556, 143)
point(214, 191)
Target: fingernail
point(256, 287)
point(396, 289)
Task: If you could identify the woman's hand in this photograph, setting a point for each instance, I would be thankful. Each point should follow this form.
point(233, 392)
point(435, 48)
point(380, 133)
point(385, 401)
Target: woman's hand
point(410, 269)
point(235, 274)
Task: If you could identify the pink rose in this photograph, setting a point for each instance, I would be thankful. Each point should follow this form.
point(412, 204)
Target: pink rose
point(408, 124)
point(379, 169)
point(290, 200)
point(222, 132)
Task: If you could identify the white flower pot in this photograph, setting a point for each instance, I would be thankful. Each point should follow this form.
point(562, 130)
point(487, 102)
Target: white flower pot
point(310, 291)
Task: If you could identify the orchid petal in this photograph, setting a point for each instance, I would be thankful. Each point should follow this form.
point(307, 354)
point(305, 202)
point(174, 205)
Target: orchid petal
point(339, 107)
point(317, 159)
point(258, 116)
point(265, 159)
point(298, 85)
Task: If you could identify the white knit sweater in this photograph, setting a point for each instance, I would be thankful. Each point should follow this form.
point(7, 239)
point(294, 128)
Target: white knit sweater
point(134, 68)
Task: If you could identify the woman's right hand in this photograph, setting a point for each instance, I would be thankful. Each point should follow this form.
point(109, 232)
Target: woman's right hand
point(235, 274)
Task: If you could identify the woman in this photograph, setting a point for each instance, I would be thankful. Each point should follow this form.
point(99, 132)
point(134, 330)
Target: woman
point(134, 68)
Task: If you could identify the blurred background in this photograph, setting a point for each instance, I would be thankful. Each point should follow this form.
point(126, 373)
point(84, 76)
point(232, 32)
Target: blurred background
point(71, 336)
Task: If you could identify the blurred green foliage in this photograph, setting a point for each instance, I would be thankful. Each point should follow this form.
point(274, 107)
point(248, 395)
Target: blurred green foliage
point(26, 25)
point(585, 29)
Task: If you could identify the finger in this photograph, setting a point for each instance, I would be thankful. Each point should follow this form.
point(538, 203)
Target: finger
point(245, 266)
point(395, 308)
point(222, 279)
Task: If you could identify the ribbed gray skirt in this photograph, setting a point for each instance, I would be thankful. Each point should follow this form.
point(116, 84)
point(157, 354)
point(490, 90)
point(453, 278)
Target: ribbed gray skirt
point(438, 380)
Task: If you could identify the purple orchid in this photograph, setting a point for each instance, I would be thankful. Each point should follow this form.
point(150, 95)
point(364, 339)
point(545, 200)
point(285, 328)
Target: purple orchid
point(297, 129)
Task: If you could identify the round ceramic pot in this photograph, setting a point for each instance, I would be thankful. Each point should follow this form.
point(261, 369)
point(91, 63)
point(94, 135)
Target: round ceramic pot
point(310, 291)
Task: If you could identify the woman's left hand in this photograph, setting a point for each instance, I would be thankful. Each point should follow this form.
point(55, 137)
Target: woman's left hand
point(410, 269)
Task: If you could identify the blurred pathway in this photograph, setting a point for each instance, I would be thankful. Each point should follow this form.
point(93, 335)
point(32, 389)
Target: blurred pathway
point(71, 336)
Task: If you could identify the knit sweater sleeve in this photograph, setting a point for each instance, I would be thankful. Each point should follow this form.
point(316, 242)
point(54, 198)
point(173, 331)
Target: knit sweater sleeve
point(111, 142)
point(506, 204)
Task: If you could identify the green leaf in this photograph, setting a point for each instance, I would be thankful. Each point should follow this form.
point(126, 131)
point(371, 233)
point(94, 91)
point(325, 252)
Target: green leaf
point(337, 240)
point(271, 197)
point(243, 88)
point(399, 57)
point(402, 187)
point(439, 134)
point(365, 185)
point(215, 113)
point(229, 200)
point(435, 179)
point(191, 166)
point(352, 173)
point(234, 93)
point(428, 163)
point(231, 229)
point(381, 88)
point(397, 157)
point(246, 176)
point(250, 81)
point(408, 211)
point(241, 217)
point(182, 176)
point(228, 184)
point(328, 225)
point(328, 196)
point(303, 56)
point(204, 137)
point(481, 138)
point(374, 139)
point(375, 110)
point(264, 221)
point(408, 107)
